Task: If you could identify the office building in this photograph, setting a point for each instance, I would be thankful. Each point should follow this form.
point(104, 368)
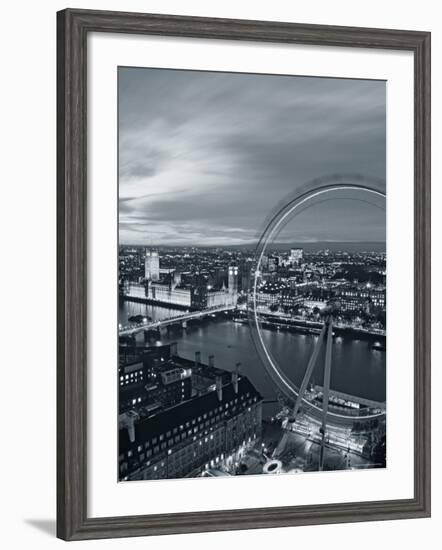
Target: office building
point(193, 436)
point(155, 377)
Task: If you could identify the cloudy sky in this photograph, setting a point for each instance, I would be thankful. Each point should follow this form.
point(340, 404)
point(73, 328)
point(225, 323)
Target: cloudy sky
point(205, 158)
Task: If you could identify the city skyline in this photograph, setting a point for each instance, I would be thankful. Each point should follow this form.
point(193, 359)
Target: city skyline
point(204, 156)
point(344, 246)
point(197, 398)
point(252, 273)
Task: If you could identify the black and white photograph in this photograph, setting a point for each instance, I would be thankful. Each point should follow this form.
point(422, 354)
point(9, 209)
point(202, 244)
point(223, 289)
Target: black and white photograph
point(252, 274)
point(220, 232)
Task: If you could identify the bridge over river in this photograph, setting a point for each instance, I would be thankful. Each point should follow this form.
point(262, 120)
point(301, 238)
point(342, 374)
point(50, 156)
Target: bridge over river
point(188, 316)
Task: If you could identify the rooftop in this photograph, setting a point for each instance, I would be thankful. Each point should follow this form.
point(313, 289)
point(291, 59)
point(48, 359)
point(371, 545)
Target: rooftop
point(188, 410)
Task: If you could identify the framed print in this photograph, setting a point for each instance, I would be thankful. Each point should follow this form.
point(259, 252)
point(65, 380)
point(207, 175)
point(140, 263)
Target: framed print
point(243, 274)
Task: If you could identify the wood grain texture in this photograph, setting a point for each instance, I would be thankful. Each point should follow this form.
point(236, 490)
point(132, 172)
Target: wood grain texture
point(72, 29)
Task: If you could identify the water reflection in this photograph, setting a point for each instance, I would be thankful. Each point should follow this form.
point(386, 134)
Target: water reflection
point(357, 369)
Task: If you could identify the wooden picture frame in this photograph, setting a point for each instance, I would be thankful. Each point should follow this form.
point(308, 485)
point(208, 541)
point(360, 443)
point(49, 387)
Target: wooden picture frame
point(73, 27)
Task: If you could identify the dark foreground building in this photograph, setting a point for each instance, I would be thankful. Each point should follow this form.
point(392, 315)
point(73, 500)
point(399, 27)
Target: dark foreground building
point(152, 378)
point(196, 434)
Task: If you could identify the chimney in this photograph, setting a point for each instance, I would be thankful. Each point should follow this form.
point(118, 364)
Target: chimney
point(197, 358)
point(131, 429)
point(235, 374)
point(127, 420)
point(219, 388)
point(211, 361)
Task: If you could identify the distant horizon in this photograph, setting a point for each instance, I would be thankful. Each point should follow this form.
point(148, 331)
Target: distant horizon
point(283, 245)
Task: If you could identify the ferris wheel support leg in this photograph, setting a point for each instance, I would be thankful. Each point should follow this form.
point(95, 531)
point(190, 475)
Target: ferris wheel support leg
point(280, 448)
point(326, 391)
point(308, 371)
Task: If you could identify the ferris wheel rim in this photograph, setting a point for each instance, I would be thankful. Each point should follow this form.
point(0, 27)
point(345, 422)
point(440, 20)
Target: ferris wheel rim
point(283, 383)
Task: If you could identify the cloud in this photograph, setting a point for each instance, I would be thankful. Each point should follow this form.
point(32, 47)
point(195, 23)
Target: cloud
point(206, 156)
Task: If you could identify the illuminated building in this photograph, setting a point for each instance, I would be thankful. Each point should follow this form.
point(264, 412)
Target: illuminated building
point(219, 298)
point(155, 378)
point(268, 298)
point(312, 304)
point(232, 283)
point(152, 265)
point(269, 294)
point(296, 256)
point(355, 298)
point(170, 294)
point(198, 298)
point(174, 386)
point(290, 299)
point(273, 263)
point(192, 436)
point(135, 291)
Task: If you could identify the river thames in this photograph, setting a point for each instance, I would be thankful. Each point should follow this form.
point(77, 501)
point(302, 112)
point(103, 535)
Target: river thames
point(357, 369)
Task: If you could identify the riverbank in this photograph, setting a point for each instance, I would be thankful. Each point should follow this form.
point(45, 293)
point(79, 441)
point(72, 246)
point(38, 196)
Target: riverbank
point(311, 327)
point(357, 369)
